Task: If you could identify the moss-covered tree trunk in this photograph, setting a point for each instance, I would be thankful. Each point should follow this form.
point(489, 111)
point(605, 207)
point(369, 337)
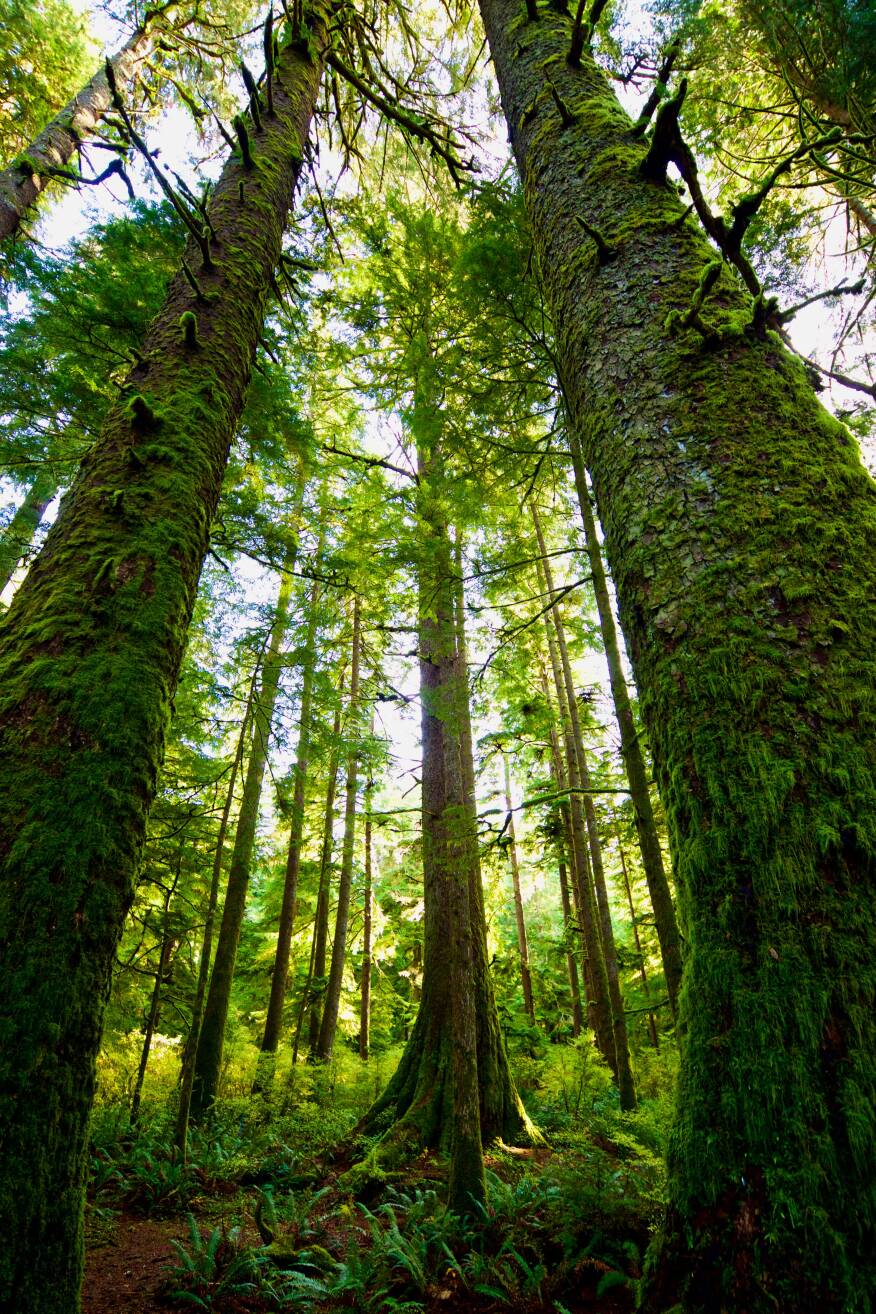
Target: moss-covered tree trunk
point(631, 748)
point(321, 917)
point(331, 1007)
point(19, 534)
point(286, 924)
point(739, 525)
point(25, 177)
point(90, 651)
point(367, 923)
point(519, 918)
point(187, 1067)
point(211, 1040)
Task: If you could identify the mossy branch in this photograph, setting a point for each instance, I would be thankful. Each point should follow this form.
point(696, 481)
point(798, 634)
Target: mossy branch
point(114, 168)
point(604, 252)
point(582, 31)
point(841, 289)
point(188, 323)
point(199, 233)
point(268, 42)
point(659, 90)
point(665, 137)
point(239, 125)
point(255, 104)
point(677, 320)
point(566, 115)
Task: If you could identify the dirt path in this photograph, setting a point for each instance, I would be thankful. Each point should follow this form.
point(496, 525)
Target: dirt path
point(124, 1276)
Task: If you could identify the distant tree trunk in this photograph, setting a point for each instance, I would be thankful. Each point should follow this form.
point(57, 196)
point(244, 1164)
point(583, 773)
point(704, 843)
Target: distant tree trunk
point(321, 919)
point(522, 941)
point(596, 975)
point(331, 1008)
point(280, 974)
point(167, 944)
point(739, 525)
point(452, 1087)
point(90, 651)
point(365, 989)
point(187, 1067)
point(571, 964)
point(631, 749)
point(652, 1021)
point(22, 181)
point(208, 1058)
point(19, 534)
point(626, 1086)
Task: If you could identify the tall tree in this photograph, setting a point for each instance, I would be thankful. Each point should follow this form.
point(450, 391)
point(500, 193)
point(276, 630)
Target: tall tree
point(737, 538)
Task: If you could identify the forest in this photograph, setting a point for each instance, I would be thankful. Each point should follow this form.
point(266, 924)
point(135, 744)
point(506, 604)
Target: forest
point(438, 656)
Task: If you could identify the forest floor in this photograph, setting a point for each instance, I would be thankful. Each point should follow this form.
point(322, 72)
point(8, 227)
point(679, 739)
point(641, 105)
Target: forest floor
point(562, 1233)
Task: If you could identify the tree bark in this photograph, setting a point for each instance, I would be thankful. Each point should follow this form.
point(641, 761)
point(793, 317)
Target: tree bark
point(631, 748)
point(331, 1008)
point(187, 1067)
point(90, 652)
point(280, 974)
point(22, 181)
point(211, 1040)
point(522, 941)
point(19, 534)
point(739, 525)
point(321, 919)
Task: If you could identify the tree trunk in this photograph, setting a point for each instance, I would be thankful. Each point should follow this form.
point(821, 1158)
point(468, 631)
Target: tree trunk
point(571, 964)
point(208, 1057)
point(280, 974)
point(155, 1001)
point(187, 1067)
point(22, 181)
point(89, 659)
point(596, 975)
point(631, 748)
point(19, 534)
point(365, 988)
point(321, 919)
point(739, 525)
point(331, 1008)
point(522, 941)
point(652, 1021)
point(453, 1086)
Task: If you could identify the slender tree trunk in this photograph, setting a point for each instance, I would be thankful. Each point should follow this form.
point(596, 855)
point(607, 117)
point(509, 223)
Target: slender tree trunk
point(90, 651)
point(522, 941)
point(331, 1008)
point(571, 964)
point(208, 1057)
point(187, 1067)
point(152, 1016)
point(631, 748)
point(19, 534)
point(321, 920)
point(596, 975)
point(739, 525)
point(365, 990)
point(280, 974)
point(626, 1086)
point(652, 1021)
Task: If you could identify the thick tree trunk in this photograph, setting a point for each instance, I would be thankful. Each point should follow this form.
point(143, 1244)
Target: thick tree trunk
point(187, 1067)
point(652, 1021)
point(208, 1057)
point(19, 534)
point(22, 181)
point(331, 1008)
point(522, 940)
point(631, 748)
point(90, 650)
point(280, 974)
point(739, 525)
point(321, 919)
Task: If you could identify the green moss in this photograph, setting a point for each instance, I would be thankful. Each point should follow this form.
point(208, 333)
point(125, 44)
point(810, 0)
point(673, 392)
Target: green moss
point(188, 323)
